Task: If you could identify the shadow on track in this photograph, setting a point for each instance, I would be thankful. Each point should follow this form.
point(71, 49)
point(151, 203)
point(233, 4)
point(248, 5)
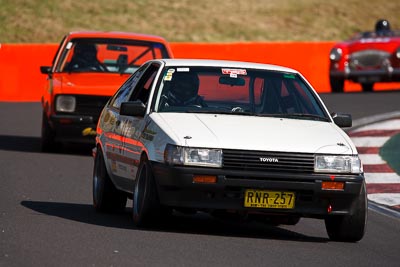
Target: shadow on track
point(201, 223)
point(20, 143)
point(32, 144)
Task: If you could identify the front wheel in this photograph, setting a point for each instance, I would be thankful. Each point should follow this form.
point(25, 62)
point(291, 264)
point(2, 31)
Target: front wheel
point(146, 206)
point(47, 142)
point(367, 87)
point(349, 228)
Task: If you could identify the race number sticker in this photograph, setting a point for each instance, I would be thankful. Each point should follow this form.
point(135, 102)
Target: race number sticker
point(233, 73)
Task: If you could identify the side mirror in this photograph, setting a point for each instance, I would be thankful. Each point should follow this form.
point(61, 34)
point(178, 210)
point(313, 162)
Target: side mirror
point(45, 69)
point(133, 108)
point(342, 120)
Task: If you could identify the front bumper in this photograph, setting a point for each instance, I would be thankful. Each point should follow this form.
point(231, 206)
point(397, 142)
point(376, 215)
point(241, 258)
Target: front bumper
point(74, 128)
point(368, 76)
point(177, 189)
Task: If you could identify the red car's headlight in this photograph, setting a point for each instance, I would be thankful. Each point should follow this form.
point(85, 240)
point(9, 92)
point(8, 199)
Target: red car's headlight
point(336, 54)
point(65, 103)
point(398, 53)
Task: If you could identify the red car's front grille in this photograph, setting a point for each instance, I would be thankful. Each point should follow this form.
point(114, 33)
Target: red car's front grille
point(369, 59)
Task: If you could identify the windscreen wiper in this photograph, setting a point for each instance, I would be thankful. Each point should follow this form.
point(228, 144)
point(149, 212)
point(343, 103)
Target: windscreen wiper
point(207, 111)
point(296, 115)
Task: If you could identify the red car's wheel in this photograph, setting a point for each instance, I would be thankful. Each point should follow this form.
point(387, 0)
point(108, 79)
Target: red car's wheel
point(367, 87)
point(47, 143)
point(337, 84)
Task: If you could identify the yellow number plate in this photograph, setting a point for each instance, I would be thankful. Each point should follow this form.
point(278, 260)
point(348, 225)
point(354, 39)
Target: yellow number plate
point(269, 199)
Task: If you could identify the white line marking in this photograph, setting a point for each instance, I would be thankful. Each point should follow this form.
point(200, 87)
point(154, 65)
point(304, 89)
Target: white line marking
point(382, 178)
point(370, 141)
point(385, 125)
point(390, 199)
point(371, 159)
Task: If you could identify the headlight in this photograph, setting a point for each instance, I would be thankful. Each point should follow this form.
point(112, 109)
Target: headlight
point(178, 155)
point(65, 103)
point(398, 53)
point(336, 54)
point(337, 164)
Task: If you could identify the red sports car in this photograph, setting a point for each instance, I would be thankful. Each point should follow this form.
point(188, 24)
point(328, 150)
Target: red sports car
point(367, 58)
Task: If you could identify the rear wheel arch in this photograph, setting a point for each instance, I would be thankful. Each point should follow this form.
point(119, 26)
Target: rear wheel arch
point(106, 197)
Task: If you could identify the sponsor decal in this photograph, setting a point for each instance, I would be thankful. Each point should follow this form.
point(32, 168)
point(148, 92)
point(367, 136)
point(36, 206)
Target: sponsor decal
point(234, 72)
point(183, 69)
point(168, 76)
point(88, 131)
point(113, 166)
point(269, 160)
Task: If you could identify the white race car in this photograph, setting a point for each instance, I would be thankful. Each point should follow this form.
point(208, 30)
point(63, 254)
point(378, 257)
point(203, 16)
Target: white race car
point(227, 137)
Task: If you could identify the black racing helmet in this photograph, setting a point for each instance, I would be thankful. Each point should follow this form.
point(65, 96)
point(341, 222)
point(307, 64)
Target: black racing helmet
point(382, 25)
point(185, 85)
point(87, 50)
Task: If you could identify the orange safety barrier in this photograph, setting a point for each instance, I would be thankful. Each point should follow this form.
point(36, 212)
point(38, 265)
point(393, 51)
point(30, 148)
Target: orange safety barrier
point(21, 79)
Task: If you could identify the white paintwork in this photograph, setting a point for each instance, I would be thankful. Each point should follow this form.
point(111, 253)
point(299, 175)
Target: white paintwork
point(253, 133)
point(224, 63)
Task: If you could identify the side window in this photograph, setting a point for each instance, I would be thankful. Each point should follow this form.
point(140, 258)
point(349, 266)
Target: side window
point(142, 89)
point(57, 54)
point(258, 90)
point(124, 92)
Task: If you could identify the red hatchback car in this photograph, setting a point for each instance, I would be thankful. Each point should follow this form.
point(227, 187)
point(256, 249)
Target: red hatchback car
point(367, 58)
point(87, 69)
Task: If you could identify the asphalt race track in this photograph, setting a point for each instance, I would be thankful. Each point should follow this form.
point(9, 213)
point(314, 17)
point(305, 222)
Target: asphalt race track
point(46, 217)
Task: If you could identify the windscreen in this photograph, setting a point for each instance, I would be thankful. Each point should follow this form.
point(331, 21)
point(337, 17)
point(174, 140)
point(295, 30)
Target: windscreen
point(237, 91)
point(108, 55)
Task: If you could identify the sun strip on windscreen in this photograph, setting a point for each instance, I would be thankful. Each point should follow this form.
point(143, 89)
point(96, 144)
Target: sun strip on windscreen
point(233, 73)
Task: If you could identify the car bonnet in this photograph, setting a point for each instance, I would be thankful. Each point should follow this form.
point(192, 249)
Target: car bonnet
point(254, 133)
point(89, 83)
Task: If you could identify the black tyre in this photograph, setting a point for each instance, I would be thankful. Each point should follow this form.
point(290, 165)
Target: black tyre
point(47, 143)
point(146, 206)
point(367, 87)
point(349, 228)
point(337, 84)
point(106, 197)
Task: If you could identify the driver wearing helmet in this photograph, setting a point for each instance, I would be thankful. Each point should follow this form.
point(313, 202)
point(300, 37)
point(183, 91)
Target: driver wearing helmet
point(85, 58)
point(182, 90)
point(382, 27)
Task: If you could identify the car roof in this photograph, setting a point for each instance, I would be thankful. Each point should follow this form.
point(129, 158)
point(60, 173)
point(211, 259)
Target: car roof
point(115, 34)
point(224, 63)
